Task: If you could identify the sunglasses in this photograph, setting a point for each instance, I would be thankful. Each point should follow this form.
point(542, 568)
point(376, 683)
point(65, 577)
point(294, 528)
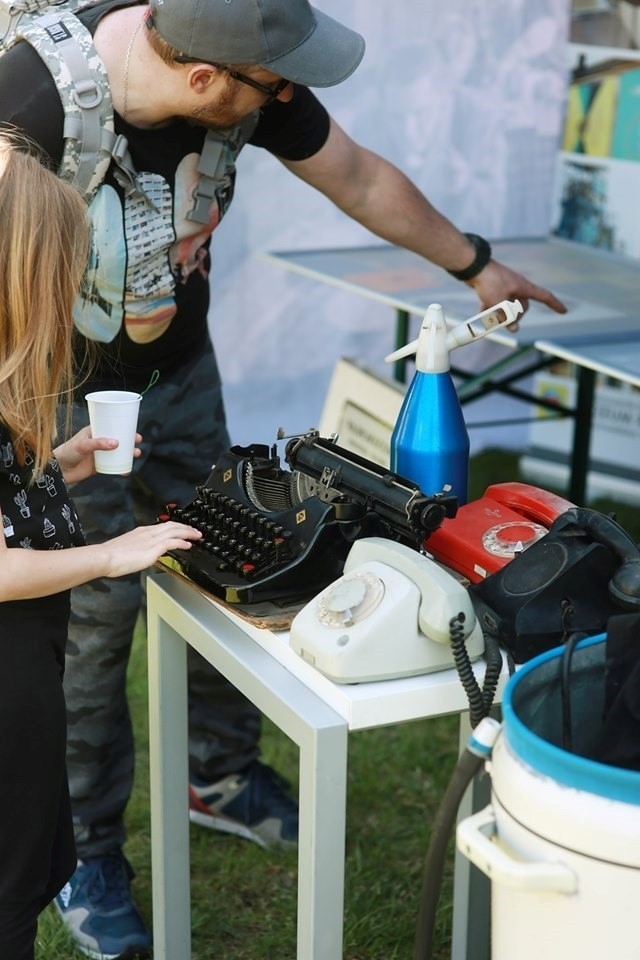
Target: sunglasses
point(271, 93)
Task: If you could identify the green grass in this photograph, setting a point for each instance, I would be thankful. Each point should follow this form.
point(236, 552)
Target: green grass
point(244, 899)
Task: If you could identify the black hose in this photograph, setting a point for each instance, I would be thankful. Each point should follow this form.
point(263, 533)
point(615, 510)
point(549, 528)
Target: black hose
point(565, 690)
point(467, 767)
point(469, 764)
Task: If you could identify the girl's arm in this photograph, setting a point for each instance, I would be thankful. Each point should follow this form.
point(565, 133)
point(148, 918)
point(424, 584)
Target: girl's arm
point(25, 574)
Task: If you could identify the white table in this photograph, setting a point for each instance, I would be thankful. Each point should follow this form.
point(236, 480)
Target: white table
point(317, 715)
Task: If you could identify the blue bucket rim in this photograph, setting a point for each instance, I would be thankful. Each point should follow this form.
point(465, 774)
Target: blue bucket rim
point(614, 783)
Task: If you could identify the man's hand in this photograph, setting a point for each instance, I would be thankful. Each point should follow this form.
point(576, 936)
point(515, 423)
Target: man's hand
point(498, 282)
point(75, 456)
point(376, 194)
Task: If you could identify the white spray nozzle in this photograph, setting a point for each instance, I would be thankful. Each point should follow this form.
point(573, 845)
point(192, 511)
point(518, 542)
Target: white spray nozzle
point(496, 317)
point(435, 341)
point(430, 347)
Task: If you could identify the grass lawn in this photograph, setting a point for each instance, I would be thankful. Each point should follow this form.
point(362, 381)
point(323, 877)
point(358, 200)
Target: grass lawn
point(244, 898)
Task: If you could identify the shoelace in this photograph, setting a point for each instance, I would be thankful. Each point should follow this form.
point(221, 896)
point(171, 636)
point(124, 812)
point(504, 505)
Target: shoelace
point(108, 882)
point(265, 781)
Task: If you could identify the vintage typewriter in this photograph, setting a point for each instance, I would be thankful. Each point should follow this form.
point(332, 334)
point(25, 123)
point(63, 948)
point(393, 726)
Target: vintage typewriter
point(278, 535)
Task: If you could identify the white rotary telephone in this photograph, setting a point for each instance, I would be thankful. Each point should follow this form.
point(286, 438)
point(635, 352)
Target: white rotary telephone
point(388, 616)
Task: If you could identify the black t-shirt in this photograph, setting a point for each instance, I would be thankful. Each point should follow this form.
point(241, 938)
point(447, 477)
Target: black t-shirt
point(38, 516)
point(147, 295)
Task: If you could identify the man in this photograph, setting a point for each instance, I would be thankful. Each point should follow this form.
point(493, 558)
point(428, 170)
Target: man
point(176, 67)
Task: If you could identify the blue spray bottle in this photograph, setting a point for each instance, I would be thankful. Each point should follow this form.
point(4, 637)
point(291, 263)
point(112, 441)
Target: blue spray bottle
point(430, 443)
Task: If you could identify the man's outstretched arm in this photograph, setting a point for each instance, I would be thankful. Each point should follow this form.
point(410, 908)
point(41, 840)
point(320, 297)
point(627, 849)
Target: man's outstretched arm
point(377, 195)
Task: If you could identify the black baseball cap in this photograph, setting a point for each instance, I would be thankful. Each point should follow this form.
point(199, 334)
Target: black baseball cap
point(288, 37)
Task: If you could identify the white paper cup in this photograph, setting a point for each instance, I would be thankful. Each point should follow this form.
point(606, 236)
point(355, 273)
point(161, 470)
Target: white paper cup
point(114, 413)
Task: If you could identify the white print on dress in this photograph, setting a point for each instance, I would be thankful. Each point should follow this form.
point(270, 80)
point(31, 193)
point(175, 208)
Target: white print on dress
point(20, 500)
point(46, 481)
point(6, 451)
point(48, 528)
point(16, 479)
point(26, 543)
point(66, 513)
point(7, 526)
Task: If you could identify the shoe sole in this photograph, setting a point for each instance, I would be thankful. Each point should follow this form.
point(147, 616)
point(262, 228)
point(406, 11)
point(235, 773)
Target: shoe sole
point(131, 953)
point(226, 826)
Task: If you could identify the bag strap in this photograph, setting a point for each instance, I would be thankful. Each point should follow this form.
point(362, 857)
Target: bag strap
point(90, 141)
point(216, 168)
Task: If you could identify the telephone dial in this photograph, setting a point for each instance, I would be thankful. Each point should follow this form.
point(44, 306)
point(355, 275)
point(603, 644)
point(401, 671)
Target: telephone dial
point(388, 616)
point(489, 532)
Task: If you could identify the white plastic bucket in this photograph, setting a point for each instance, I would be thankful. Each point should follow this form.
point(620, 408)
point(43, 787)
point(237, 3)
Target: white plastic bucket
point(560, 839)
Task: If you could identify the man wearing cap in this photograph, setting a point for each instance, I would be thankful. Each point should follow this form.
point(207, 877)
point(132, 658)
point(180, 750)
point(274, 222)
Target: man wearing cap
point(177, 68)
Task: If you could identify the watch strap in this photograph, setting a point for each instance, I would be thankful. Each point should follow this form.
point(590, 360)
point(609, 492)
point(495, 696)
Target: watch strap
point(483, 255)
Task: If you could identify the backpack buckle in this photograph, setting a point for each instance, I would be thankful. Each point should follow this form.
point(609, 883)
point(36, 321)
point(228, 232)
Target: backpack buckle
point(87, 94)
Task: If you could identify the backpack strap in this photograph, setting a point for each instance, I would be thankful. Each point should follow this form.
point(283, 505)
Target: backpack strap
point(217, 168)
point(90, 141)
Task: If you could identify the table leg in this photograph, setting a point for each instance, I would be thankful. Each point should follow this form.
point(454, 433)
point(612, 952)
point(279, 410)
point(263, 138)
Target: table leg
point(579, 460)
point(178, 614)
point(323, 794)
point(471, 889)
point(402, 338)
point(169, 775)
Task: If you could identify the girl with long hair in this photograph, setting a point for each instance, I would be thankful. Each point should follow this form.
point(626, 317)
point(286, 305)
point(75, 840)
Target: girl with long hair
point(44, 243)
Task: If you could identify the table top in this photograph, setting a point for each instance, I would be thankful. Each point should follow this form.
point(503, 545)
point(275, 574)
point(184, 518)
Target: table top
point(373, 704)
point(619, 357)
point(600, 289)
point(361, 705)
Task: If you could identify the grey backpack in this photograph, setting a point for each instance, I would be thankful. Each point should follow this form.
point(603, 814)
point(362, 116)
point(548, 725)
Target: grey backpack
point(66, 47)
point(90, 141)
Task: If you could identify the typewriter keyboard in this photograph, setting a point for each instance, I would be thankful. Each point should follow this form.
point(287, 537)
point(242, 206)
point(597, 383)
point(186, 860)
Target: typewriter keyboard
point(239, 536)
point(247, 556)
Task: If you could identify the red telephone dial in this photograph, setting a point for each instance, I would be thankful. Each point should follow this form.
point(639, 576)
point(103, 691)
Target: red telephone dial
point(487, 533)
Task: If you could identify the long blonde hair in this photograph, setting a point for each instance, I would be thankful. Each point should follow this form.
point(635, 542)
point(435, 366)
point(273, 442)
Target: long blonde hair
point(44, 244)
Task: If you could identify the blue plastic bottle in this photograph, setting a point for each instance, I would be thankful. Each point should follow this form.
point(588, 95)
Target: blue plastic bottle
point(430, 443)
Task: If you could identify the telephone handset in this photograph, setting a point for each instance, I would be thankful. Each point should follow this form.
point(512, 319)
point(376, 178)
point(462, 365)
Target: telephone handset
point(487, 533)
point(388, 616)
point(584, 571)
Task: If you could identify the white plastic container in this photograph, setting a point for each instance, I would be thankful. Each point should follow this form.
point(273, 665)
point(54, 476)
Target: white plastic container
point(560, 840)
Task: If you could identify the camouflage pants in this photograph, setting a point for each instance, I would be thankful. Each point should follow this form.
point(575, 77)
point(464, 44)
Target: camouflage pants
point(183, 428)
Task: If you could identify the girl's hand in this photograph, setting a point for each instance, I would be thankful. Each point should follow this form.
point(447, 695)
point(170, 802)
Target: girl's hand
point(140, 548)
point(25, 574)
point(75, 456)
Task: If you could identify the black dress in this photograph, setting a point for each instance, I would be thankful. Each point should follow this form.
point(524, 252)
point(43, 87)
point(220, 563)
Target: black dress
point(37, 853)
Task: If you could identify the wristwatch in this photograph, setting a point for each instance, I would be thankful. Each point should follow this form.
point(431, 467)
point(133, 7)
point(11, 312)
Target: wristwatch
point(482, 257)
